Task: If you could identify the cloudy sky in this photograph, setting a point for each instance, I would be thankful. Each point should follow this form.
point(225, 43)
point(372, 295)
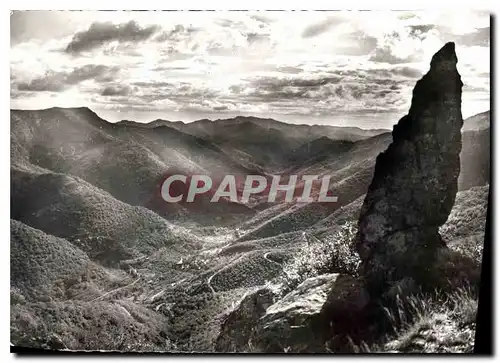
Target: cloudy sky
point(339, 68)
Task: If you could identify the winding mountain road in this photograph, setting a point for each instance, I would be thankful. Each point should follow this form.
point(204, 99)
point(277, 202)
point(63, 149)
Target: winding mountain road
point(234, 261)
point(115, 290)
point(209, 280)
point(270, 260)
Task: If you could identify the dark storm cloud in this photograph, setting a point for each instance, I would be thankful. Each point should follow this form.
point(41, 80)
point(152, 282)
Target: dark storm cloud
point(273, 84)
point(407, 72)
point(99, 72)
point(304, 85)
point(382, 93)
point(321, 27)
point(220, 108)
point(389, 73)
point(99, 34)
point(116, 91)
point(372, 90)
point(273, 88)
point(369, 87)
point(59, 81)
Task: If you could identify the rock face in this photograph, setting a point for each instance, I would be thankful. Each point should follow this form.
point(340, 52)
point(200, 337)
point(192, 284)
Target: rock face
point(415, 182)
point(239, 323)
point(302, 319)
point(287, 325)
point(318, 308)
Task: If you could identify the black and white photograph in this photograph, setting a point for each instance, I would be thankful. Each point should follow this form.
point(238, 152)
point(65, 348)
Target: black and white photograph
point(286, 182)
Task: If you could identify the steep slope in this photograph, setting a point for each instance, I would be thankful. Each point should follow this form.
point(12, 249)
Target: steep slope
point(476, 150)
point(128, 162)
point(350, 166)
point(105, 228)
point(350, 174)
point(265, 142)
point(53, 137)
point(475, 159)
point(77, 141)
point(81, 184)
point(481, 121)
point(38, 261)
point(464, 234)
point(465, 228)
point(318, 150)
point(55, 300)
point(268, 146)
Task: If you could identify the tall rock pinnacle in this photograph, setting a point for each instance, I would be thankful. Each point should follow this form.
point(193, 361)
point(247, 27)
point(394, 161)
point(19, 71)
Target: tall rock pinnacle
point(415, 181)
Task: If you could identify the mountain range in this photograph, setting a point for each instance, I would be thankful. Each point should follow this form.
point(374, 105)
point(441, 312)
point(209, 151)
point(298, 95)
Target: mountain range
point(90, 235)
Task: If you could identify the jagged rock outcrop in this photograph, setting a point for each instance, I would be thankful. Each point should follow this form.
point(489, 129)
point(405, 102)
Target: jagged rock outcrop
point(239, 323)
point(345, 300)
point(302, 319)
point(415, 182)
point(287, 325)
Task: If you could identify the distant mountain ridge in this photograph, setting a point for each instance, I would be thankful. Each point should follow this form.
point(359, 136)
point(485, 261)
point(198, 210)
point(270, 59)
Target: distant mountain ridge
point(259, 144)
point(128, 163)
point(77, 141)
point(481, 121)
point(206, 127)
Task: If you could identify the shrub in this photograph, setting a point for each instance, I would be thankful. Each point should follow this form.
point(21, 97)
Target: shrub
point(334, 253)
point(119, 325)
point(427, 323)
point(471, 246)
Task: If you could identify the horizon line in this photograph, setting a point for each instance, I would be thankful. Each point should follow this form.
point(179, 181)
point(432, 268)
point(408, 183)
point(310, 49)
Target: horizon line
point(202, 119)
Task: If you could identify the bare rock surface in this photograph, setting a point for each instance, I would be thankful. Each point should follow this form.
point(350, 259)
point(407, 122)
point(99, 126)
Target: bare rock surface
point(287, 325)
point(238, 324)
point(415, 181)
